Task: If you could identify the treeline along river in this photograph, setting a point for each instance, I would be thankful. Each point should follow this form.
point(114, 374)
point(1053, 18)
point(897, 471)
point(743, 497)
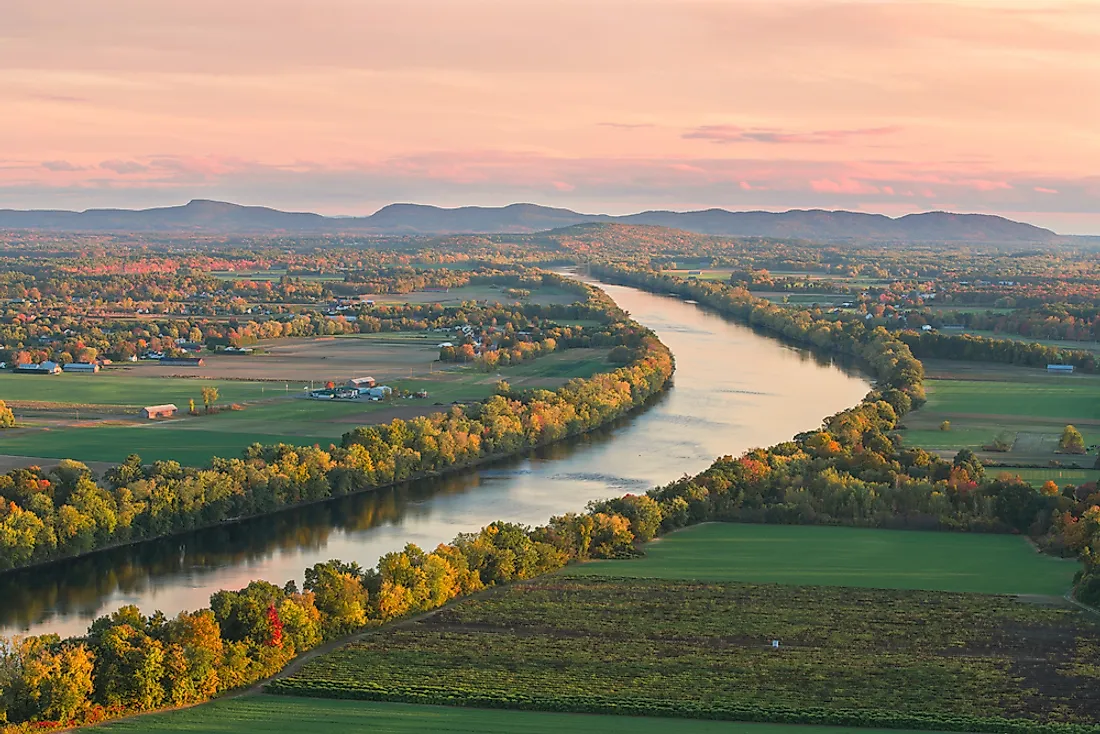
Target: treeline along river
point(734, 389)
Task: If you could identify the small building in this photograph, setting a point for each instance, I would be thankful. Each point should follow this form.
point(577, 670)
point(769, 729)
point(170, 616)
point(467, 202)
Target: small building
point(347, 393)
point(42, 368)
point(153, 412)
point(81, 367)
point(380, 392)
point(361, 382)
point(1059, 368)
point(183, 361)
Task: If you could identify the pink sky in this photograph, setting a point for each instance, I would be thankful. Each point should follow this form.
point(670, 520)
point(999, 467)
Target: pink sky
point(342, 106)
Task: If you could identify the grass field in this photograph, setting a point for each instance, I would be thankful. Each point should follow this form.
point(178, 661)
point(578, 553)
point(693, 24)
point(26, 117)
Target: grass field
point(1085, 346)
point(1027, 408)
point(598, 644)
point(547, 295)
point(838, 556)
point(1061, 477)
point(267, 419)
point(122, 389)
point(292, 715)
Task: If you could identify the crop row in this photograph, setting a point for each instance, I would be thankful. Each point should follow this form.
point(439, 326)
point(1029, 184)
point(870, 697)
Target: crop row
point(878, 652)
point(450, 696)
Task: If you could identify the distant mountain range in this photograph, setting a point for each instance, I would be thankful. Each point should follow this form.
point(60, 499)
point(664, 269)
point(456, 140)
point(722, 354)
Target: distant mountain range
point(213, 217)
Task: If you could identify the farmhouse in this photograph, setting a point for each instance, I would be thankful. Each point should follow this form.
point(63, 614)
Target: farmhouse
point(42, 368)
point(81, 367)
point(361, 382)
point(183, 361)
point(159, 411)
point(1059, 368)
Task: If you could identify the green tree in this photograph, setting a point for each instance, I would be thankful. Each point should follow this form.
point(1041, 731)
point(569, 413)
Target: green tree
point(1071, 442)
point(339, 595)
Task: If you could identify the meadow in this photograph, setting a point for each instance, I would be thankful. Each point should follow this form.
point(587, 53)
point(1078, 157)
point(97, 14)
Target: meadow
point(116, 387)
point(819, 555)
point(1061, 477)
point(1087, 346)
point(291, 715)
point(1024, 407)
point(284, 418)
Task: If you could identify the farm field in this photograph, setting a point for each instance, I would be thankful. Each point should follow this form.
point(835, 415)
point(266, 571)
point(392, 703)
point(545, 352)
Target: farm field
point(818, 555)
point(193, 441)
point(546, 295)
point(1061, 477)
point(120, 387)
point(1087, 346)
point(292, 715)
point(1024, 407)
point(688, 648)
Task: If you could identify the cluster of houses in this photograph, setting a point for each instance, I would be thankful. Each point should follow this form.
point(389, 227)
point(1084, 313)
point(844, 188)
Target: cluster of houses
point(354, 389)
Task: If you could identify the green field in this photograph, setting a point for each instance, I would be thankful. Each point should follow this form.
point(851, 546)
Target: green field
point(291, 715)
point(112, 387)
point(692, 649)
point(1061, 477)
point(838, 556)
point(1027, 408)
point(193, 441)
point(1085, 346)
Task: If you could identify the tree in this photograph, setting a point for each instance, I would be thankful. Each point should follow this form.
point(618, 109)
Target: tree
point(7, 418)
point(1071, 442)
point(945, 426)
point(339, 595)
point(209, 397)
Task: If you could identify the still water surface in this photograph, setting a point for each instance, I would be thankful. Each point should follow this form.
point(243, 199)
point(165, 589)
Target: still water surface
point(734, 390)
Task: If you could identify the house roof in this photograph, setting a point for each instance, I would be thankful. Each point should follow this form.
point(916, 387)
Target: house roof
point(160, 408)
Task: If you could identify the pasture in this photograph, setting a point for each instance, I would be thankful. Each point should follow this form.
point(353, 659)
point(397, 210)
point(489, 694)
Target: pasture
point(292, 715)
point(703, 649)
point(1076, 345)
point(818, 555)
point(1024, 408)
point(1061, 477)
point(274, 412)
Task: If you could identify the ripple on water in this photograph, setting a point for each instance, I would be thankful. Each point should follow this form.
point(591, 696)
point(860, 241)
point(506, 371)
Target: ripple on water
point(610, 480)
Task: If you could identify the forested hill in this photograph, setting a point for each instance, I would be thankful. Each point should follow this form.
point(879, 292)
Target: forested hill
point(219, 217)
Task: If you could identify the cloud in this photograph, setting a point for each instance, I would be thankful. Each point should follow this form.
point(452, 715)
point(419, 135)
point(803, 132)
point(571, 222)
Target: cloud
point(725, 134)
point(1044, 190)
point(123, 167)
point(626, 125)
point(842, 186)
point(59, 166)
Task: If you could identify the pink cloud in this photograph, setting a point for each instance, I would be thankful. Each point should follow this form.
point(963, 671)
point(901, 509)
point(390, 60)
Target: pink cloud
point(563, 186)
point(1045, 190)
point(725, 134)
point(843, 186)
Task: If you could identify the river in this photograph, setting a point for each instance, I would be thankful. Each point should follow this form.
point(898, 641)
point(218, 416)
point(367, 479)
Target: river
point(734, 389)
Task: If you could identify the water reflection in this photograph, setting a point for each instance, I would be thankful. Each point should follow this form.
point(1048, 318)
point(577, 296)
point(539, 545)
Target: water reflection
point(734, 389)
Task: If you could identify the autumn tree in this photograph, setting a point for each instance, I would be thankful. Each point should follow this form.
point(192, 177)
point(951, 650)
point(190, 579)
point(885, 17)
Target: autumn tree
point(7, 418)
point(209, 397)
point(1071, 442)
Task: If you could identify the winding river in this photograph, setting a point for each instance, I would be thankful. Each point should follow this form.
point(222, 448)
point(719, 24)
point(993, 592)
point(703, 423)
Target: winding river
point(734, 390)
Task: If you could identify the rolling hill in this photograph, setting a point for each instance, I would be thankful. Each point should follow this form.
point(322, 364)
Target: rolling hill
point(220, 217)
